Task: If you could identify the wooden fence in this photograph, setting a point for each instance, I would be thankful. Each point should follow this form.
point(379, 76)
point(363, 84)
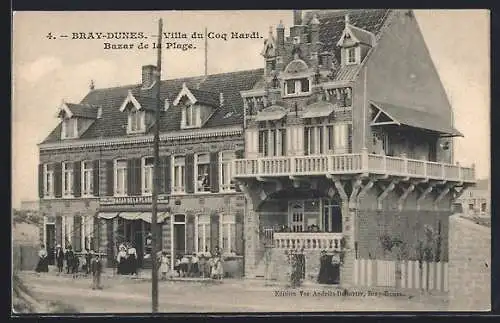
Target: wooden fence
point(382, 273)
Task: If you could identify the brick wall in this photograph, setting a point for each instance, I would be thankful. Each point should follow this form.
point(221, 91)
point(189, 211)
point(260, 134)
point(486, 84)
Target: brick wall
point(469, 265)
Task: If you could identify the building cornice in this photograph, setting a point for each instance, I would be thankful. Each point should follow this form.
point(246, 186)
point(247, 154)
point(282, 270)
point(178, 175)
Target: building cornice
point(106, 142)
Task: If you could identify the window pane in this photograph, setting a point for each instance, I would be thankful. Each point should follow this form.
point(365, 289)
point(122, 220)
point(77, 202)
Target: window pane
point(304, 85)
point(290, 86)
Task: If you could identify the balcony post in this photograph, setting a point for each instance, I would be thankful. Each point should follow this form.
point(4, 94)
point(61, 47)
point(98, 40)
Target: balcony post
point(259, 166)
point(425, 167)
point(443, 171)
point(405, 163)
point(384, 163)
point(459, 171)
point(364, 159)
point(292, 165)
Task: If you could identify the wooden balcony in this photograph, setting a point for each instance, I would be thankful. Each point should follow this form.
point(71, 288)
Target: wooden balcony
point(308, 240)
point(337, 164)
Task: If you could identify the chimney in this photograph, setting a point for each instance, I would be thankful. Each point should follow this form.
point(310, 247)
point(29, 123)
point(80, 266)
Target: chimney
point(280, 38)
point(315, 30)
point(221, 99)
point(148, 76)
point(297, 17)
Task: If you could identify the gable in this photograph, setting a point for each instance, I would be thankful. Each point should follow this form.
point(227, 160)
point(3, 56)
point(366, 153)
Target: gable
point(402, 60)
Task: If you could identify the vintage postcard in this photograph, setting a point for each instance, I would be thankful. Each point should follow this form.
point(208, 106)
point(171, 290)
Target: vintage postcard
point(251, 161)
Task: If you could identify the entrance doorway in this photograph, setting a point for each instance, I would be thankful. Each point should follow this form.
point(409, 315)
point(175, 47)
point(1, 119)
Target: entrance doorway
point(297, 216)
point(179, 235)
point(332, 216)
point(50, 242)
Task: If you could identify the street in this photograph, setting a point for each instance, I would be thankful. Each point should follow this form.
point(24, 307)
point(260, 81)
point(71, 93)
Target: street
point(125, 295)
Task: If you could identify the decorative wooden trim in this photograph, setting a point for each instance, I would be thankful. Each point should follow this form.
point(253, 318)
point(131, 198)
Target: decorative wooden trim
point(107, 142)
point(404, 196)
point(130, 98)
point(424, 194)
point(184, 91)
point(384, 194)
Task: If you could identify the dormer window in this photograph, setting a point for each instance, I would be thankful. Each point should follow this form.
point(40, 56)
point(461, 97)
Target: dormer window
point(190, 116)
point(136, 121)
point(351, 55)
point(297, 86)
point(69, 128)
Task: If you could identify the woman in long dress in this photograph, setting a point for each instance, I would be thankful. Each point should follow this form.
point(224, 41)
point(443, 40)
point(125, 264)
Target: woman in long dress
point(43, 264)
point(121, 259)
point(132, 260)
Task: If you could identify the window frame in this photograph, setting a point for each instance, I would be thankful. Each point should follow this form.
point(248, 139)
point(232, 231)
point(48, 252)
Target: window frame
point(191, 113)
point(229, 186)
point(226, 225)
point(297, 87)
point(206, 189)
point(356, 55)
point(69, 192)
point(177, 189)
point(123, 178)
point(48, 173)
point(138, 118)
point(326, 137)
point(271, 136)
point(144, 170)
point(87, 172)
point(69, 123)
point(203, 220)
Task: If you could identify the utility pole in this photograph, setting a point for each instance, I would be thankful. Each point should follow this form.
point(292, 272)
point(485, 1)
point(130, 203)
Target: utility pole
point(156, 177)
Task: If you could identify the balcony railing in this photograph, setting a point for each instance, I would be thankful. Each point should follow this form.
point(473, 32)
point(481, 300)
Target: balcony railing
point(307, 240)
point(351, 164)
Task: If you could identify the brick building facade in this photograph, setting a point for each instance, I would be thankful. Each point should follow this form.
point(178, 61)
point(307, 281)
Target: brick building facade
point(95, 172)
point(348, 140)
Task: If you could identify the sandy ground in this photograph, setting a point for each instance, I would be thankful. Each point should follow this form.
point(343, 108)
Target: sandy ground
point(125, 295)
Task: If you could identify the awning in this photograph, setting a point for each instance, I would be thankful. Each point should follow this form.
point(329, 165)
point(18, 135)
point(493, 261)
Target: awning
point(161, 216)
point(414, 117)
point(318, 110)
point(145, 216)
point(107, 215)
point(271, 113)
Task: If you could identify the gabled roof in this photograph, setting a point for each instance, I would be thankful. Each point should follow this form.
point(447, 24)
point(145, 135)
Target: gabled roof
point(197, 95)
point(113, 122)
point(80, 110)
point(332, 24)
point(139, 102)
point(414, 117)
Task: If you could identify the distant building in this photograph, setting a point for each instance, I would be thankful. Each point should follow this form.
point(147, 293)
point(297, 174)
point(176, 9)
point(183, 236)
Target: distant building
point(475, 201)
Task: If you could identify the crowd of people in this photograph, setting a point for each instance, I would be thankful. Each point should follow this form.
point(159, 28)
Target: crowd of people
point(87, 262)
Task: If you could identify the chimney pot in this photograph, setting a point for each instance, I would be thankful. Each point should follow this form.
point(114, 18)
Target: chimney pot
point(297, 17)
point(148, 75)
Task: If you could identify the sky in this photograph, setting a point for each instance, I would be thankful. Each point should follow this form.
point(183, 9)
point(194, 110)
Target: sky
point(47, 71)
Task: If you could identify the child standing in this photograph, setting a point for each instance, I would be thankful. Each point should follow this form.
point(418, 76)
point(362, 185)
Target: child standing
point(96, 272)
point(164, 265)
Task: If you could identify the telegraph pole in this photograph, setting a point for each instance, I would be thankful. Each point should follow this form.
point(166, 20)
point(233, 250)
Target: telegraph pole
point(156, 177)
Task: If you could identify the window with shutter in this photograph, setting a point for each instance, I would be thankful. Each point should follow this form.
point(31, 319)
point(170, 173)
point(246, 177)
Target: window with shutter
point(203, 173)
point(67, 179)
point(48, 179)
point(165, 174)
point(203, 233)
point(190, 233)
point(147, 175)
point(110, 181)
point(228, 236)
point(120, 178)
point(77, 233)
point(95, 178)
point(239, 235)
point(87, 178)
point(214, 172)
point(214, 231)
point(57, 185)
point(189, 180)
point(226, 171)
point(179, 174)
point(77, 188)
